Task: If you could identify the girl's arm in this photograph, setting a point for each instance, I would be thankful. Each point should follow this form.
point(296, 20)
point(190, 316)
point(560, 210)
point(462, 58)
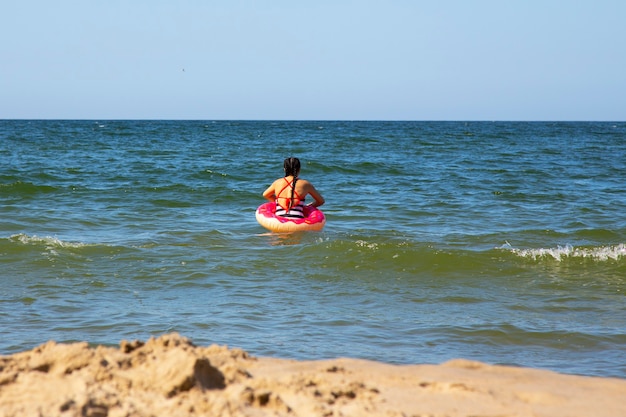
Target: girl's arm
point(270, 194)
point(319, 200)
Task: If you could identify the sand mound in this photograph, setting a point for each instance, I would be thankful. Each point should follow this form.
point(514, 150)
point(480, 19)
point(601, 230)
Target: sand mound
point(169, 376)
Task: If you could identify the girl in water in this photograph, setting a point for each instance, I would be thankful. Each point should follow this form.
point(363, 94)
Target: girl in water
point(290, 192)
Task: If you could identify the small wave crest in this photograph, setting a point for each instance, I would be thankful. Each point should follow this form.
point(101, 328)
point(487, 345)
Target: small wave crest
point(561, 253)
point(52, 247)
point(21, 188)
point(50, 243)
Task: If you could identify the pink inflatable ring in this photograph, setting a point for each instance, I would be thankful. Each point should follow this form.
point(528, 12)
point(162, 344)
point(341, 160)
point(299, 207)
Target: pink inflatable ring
point(313, 219)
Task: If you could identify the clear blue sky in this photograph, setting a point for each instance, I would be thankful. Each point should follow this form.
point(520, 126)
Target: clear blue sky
point(322, 59)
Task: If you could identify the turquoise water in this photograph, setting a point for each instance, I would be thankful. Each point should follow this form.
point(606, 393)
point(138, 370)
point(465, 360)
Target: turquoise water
point(499, 242)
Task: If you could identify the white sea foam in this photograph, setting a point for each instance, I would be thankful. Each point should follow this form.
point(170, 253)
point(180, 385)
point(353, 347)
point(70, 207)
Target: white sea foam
point(560, 253)
point(364, 244)
point(51, 243)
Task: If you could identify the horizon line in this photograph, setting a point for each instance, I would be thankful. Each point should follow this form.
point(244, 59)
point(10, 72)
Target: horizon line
point(319, 120)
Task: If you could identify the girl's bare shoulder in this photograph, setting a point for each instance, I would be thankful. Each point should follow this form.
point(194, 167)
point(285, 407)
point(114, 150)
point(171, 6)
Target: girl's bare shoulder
point(277, 182)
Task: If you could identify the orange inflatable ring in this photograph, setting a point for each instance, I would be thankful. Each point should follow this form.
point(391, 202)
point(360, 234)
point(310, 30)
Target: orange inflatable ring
point(313, 219)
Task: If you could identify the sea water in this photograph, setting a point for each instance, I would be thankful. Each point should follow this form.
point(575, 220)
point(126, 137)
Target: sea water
point(502, 242)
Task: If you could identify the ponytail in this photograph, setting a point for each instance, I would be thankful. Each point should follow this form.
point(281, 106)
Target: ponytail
point(292, 167)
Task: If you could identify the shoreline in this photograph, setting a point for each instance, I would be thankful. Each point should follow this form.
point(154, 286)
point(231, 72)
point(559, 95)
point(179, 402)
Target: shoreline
point(169, 375)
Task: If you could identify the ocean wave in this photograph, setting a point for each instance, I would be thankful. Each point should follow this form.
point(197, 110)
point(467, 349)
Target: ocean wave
point(53, 246)
point(48, 241)
point(561, 253)
point(21, 188)
point(409, 259)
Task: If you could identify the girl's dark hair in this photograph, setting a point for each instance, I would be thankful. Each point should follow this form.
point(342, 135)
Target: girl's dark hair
point(292, 167)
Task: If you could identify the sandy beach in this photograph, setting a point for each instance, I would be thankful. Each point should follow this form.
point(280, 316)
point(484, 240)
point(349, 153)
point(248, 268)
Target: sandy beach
point(170, 376)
